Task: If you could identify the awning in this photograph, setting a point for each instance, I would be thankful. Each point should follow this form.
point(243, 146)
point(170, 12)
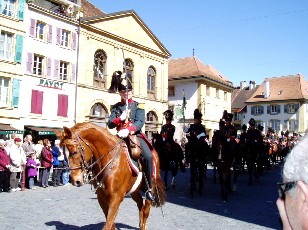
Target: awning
point(7, 129)
point(44, 130)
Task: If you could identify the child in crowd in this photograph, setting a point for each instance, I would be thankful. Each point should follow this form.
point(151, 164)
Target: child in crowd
point(32, 170)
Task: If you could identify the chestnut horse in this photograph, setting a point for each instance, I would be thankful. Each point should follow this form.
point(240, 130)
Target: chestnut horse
point(94, 149)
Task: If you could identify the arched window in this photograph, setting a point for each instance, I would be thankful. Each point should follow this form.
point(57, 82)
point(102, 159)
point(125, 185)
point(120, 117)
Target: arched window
point(151, 117)
point(129, 70)
point(151, 74)
point(98, 111)
point(151, 124)
point(99, 68)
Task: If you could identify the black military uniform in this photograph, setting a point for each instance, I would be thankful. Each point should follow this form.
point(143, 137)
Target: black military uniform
point(167, 130)
point(243, 139)
point(253, 142)
point(197, 150)
point(136, 120)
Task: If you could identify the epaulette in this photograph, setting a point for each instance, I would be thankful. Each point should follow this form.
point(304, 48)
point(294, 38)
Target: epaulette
point(141, 105)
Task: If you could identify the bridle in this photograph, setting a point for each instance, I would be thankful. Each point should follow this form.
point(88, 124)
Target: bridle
point(87, 169)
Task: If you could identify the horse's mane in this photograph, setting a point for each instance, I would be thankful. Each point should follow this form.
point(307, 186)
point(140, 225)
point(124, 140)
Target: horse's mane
point(88, 125)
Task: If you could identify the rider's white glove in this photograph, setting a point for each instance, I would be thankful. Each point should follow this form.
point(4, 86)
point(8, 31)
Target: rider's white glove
point(185, 129)
point(123, 115)
point(123, 133)
point(201, 135)
point(228, 140)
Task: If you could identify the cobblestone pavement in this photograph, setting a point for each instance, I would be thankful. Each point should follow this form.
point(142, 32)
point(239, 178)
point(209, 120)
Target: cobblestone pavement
point(68, 207)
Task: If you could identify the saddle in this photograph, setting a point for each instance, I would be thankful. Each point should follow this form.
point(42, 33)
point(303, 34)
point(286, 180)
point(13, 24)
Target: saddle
point(133, 146)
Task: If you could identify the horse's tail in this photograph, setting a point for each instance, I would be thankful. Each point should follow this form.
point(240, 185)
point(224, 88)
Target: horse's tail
point(159, 192)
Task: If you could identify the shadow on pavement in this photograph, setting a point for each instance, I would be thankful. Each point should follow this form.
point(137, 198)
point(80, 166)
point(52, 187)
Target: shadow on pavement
point(61, 226)
point(252, 204)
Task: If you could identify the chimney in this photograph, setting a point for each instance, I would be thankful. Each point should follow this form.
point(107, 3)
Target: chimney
point(266, 89)
point(242, 84)
point(252, 84)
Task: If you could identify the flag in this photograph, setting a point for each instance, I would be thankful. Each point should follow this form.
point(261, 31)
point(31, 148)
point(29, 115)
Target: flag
point(184, 102)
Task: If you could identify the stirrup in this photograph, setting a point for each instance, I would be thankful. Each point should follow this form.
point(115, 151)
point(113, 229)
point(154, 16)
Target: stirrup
point(149, 196)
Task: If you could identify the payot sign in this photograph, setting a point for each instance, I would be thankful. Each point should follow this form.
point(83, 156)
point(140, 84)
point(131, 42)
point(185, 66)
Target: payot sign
point(51, 84)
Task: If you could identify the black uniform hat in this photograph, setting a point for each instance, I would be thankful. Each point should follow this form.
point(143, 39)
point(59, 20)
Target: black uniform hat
point(229, 117)
point(119, 82)
point(260, 127)
point(221, 122)
point(244, 127)
point(197, 114)
point(225, 114)
point(252, 122)
point(168, 114)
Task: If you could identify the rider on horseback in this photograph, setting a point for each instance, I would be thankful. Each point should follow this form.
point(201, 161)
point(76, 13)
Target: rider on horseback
point(129, 121)
point(253, 141)
point(168, 129)
point(197, 150)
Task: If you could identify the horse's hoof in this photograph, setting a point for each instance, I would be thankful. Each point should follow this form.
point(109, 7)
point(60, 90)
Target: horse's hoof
point(173, 186)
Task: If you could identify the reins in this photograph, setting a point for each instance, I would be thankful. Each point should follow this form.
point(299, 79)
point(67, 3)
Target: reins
point(89, 168)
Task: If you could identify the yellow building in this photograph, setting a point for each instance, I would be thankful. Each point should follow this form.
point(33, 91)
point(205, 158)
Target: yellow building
point(12, 28)
point(104, 42)
point(205, 89)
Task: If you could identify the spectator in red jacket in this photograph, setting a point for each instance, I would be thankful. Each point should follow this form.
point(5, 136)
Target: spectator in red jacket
point(4, 168)
point(46, 162)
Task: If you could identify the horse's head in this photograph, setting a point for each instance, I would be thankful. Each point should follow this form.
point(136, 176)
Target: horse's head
point(76, 159)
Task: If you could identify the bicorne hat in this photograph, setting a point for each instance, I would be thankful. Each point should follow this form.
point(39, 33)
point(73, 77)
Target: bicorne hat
point(197, 114)
point(119, 82)
point(244, 127)
point(168, 114)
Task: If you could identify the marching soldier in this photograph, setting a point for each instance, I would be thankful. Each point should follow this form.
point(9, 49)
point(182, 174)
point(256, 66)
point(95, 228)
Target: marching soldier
point(129, 121)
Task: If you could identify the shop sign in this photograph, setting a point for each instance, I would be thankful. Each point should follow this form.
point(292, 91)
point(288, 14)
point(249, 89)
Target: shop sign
point(51, 84)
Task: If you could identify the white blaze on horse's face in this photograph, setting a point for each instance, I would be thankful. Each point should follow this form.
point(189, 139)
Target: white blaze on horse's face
point(75, 163)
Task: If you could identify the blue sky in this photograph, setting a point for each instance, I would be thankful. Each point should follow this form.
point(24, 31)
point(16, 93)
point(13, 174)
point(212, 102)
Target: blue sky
point(244, 40)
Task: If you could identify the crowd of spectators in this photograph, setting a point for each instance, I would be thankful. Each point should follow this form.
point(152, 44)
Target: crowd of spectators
point(36, 162)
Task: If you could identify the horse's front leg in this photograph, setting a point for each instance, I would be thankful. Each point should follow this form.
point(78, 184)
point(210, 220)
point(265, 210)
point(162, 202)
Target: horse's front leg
point(113, 208)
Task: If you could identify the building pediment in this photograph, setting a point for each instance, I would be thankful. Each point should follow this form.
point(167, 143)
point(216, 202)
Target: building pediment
point(128, 27)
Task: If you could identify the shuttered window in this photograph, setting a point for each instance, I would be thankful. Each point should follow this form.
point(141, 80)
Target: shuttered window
point(62, 105)
point(37, 102)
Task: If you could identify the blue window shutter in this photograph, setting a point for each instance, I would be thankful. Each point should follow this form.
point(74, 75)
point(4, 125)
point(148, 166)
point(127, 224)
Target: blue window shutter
point(0, 6)
point(32, 28)
point(56, 69)
point(73, 77)
point(18, 48)
point(29, 63)
point(15, 94)
point(50, 33)
point(252, 110)
point(285, 108)
point(296, 107)
point(262, 109)
point(278, 108)
point(21, 9)
point(268, 109)
point(49, 68)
